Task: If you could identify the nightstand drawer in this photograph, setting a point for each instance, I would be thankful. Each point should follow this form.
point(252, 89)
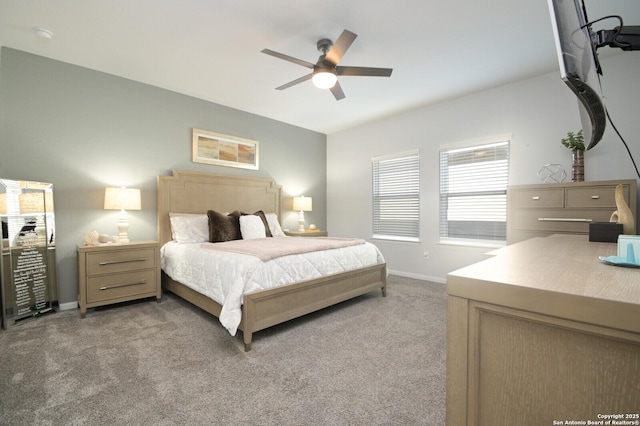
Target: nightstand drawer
point(107, 262)
point(596, 196)
point(124, 285)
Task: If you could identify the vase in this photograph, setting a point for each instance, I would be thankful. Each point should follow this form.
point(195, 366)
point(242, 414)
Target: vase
point(577, 168)
point(623, 213)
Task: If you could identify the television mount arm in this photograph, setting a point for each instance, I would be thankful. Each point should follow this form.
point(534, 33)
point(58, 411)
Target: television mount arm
point(626, 37)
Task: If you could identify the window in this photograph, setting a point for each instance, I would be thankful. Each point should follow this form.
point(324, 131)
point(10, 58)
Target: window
point(473, 194)
point(396, 196)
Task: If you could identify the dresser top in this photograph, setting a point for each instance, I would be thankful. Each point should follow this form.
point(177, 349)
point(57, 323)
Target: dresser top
point(631, 182)
point(559, 275)
point(118, 246)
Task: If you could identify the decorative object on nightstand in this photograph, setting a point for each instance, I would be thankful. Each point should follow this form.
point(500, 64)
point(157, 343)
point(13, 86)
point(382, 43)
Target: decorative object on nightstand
point(122, 199)
point(91, 238)
point(302, 204)
point(575, 142)
point(118, 273)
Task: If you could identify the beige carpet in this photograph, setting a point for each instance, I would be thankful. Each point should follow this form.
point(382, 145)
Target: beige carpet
point(369, 361)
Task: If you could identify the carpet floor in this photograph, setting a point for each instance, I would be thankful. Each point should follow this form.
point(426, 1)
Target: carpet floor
point(372, 360)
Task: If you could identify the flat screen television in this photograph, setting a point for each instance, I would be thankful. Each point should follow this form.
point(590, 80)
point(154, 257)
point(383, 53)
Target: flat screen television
point(579, 66)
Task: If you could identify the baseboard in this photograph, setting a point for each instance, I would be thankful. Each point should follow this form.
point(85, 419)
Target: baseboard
point(68, 306)
point(438, 280)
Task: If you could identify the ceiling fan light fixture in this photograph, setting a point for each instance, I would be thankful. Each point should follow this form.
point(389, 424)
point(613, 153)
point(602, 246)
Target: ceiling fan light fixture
point(324, 78)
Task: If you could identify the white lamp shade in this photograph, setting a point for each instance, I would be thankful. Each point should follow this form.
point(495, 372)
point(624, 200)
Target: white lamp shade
point(122, 199)
point(302, 204)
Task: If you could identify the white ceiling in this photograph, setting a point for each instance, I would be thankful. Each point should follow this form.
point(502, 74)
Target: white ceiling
point(210, 49)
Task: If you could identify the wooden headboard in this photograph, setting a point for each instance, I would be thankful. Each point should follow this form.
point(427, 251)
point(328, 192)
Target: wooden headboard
point(197, 192)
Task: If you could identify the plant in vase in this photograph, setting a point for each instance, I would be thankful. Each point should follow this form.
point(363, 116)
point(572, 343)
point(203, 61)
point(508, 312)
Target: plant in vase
point(575, 142)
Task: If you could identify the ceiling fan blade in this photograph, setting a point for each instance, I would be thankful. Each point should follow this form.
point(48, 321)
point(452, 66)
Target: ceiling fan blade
point(294, 82)
point(340, 47)
point(288, 58)
point(337, 91)
point(364, 71)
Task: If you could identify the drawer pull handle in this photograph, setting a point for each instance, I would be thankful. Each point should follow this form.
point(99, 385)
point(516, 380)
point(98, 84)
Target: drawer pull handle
point(595, 197)
point(535, 197)
point(562, 219)
point(108, 287)
point(113, 262)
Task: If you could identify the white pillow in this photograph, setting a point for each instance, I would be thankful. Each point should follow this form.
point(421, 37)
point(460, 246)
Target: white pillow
point(251, 227)
point(274, 225)
point(189, 228)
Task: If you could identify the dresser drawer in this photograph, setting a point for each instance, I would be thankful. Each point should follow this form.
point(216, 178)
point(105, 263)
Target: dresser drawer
point(552, 221)
point(124, 285)
point(594, 196)
point(566, 220)
point(537, 197)
point(105, 262)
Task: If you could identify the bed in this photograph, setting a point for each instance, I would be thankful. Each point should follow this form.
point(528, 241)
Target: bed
point(197, 192)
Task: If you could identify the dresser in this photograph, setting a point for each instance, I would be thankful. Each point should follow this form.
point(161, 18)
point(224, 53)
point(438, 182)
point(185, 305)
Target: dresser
point(545, 209)
point(543, 332)
point(118, 273)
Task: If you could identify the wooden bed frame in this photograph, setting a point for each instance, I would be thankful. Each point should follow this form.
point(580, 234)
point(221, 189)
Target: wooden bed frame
point(197, 192)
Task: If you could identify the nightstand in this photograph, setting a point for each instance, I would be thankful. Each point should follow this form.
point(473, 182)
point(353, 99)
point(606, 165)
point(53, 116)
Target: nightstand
point(117, 273)
point(306, 234)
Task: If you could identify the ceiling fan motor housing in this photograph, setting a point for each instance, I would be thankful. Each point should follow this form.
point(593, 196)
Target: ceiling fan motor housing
point(324, 45)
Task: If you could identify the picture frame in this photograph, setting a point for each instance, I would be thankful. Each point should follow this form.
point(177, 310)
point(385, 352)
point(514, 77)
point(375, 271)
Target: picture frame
point(224, 150)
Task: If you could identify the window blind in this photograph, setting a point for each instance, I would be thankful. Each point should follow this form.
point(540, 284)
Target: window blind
point(473, 192)
point(396, 196)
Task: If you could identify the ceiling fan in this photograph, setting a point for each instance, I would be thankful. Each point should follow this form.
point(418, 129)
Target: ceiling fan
point(326, 70)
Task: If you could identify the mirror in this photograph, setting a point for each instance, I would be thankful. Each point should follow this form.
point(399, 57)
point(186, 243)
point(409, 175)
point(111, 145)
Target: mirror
point(29, 284)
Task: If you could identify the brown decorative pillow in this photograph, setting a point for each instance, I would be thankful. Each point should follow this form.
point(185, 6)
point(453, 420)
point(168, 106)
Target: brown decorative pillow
point(224, 227)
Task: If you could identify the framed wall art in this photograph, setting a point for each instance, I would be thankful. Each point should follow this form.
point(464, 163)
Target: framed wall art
point(224, 150)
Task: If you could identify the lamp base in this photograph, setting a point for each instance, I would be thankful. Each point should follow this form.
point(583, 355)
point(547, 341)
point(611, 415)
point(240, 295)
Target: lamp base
point(123, 228)
point(301, 221)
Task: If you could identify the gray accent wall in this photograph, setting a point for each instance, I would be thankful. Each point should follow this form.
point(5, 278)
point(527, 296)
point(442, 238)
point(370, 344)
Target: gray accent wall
point(84, 130)
point(535, 113)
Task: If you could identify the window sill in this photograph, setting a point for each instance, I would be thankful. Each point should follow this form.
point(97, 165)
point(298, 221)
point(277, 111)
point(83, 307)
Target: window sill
point(472, 243)
point(396, 239)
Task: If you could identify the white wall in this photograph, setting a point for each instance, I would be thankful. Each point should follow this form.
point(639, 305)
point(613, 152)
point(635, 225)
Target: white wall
point(536, 112)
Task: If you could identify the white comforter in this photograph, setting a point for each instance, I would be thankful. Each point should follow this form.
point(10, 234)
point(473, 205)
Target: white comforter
point(226, 276)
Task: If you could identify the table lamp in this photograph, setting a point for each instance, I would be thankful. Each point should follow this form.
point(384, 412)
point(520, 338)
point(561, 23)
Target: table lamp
point(122, 199)
point(302, 204)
